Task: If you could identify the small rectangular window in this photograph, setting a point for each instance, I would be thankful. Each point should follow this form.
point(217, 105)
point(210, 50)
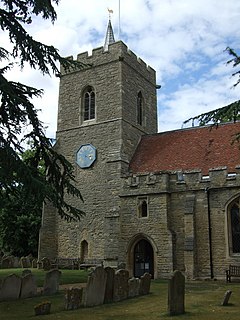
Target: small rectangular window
point(142, 207)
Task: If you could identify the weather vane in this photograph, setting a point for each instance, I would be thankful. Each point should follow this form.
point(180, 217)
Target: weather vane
point(110, 11)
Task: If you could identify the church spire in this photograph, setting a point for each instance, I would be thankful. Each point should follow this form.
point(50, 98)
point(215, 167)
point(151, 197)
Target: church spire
point(109, 35)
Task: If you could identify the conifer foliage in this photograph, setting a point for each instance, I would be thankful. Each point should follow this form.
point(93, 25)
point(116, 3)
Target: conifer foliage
point(18, 112)
point(229, 113)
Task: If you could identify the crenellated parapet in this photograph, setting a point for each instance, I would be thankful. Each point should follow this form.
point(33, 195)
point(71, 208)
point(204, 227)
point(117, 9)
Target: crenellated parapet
point(166, 181)
point(117, 51)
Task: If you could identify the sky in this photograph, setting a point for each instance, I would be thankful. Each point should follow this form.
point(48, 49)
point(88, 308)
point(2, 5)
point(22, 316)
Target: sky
point(183, 40)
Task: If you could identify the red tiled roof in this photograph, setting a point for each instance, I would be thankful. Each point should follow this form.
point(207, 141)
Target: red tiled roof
point(200, 148)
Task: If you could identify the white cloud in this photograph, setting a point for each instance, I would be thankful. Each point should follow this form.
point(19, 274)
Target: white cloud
point(183, 40)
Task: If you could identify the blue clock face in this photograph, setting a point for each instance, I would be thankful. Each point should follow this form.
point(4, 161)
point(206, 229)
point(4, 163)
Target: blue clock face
point(86, 155)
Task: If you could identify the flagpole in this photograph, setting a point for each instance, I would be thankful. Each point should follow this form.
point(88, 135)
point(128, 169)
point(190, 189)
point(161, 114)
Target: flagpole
point(119, 18)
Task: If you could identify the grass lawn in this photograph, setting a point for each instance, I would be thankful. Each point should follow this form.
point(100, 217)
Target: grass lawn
point(202, 302)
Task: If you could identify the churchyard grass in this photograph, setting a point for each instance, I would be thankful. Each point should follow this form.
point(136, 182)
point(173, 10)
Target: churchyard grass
point(202, 302)
point(68, 276)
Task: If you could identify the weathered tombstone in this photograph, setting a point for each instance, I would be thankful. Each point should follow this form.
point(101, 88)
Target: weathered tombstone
point(29, 261)
point(34, 263)
point(51, 283)
point(73, 298)
point(42, 308)
point(95, 289)
point(176, 294)
point(39, 264)
point(16, 262)
point(46, 264)
point(30, 258)
point(10, 288)
point(226, 297)
point(120, 285)
point(29, 286)
point(108, 298)
point(7, 262)
point(145, 282)
point(134, 285)
point(24, 263)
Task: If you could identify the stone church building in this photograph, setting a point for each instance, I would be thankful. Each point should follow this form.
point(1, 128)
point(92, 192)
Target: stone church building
point(154, 201)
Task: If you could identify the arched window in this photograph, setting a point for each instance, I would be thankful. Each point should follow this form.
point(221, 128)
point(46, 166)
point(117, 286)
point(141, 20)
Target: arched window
point(89, 104)
point(234, 226)
point(140, 108)
point(84, 251)
point(142, 207)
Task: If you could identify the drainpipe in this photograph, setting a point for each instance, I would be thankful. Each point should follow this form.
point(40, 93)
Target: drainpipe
point(207, 190)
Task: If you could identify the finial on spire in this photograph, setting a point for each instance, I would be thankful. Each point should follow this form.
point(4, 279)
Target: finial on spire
point(110, 11)
point(109, 35)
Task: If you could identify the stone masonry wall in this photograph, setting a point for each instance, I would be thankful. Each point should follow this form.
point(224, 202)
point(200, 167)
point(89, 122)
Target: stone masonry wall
point(187, 218)
point(116, 76)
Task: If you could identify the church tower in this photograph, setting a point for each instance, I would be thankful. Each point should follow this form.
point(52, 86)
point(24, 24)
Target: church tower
point(104, 109)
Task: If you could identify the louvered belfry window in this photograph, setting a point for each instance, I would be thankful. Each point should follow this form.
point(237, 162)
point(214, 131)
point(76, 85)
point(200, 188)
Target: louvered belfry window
point(89, 104)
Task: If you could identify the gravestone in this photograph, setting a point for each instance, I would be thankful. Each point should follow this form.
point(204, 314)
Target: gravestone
point(46, 264)
point(42, 308)
point(108, 298)
point(120, 291)
point(226, 297)
point(95, 289)
point(134, 285)
point(176, 294)
point(145, 282)
point(16, 262)
point(73, 298)
point(34, 263)
point(7, 262)
point(51, 283)
point(24, 263)
point(29, 286)
point(10, 288)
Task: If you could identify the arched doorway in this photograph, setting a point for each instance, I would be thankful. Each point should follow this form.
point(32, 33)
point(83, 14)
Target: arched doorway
point(143, 258)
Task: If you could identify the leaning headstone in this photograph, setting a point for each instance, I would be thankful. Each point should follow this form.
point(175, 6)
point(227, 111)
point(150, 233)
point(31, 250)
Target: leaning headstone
point(95, 289)
point(73, 298)
point(133, 284)
point(120, 285)
point(10, 288)
point(226, 297)
point(176, 294)
point(51, 283)
point(29, 286)
point(46, 264)
point(108, 298)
